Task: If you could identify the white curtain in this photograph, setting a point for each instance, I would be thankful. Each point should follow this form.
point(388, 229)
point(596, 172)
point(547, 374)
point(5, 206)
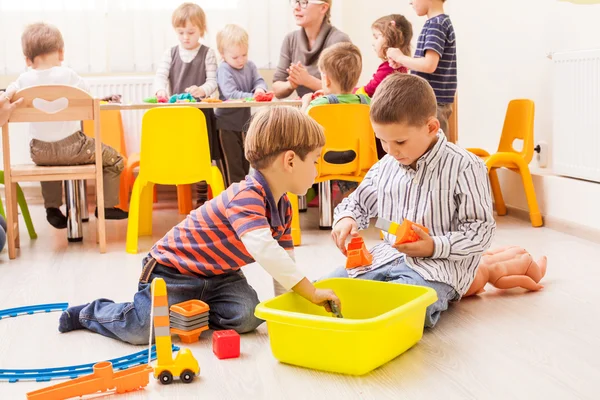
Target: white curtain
point(130, 36)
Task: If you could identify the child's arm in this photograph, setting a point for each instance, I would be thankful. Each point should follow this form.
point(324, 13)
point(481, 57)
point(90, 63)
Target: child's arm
point(6, 107)
point(227, 86)
point(161, 80)
point(258, 85)
point(282, 87)
point(382, 72)
point(210, 86)
point(427, 64)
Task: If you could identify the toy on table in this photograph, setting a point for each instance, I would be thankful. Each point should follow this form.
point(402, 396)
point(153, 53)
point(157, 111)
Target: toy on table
point(156, 99)
point(334, 309)
point(249, 99)
point(507, 268)
point(404, 232)
point(184, 365)
point(189, 319)
point(182, 98)
point(317, 94)
point(358, 255)
point(101, 380)
point(226, 344)
point(264, 97)
point(211, 100)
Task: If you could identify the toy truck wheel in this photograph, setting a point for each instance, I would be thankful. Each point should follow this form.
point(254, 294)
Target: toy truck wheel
point(165, 377)
point(187, 376)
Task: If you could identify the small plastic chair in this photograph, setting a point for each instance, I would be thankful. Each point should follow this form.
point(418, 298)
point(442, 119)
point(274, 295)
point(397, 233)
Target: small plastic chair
point(349, 151)
point(179, 158)
point(24, 209)
point(518, 125)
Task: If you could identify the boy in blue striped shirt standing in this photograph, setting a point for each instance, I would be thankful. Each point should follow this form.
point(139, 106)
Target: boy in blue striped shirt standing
point(435, 57)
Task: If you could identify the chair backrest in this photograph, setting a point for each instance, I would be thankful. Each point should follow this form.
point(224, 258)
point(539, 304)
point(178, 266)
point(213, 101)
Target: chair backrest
point(518, 125)
point(174, 148)
point(350, 141)
point(113, 133)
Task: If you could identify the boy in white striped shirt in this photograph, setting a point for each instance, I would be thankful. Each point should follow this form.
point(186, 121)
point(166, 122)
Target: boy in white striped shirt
point(429, 181)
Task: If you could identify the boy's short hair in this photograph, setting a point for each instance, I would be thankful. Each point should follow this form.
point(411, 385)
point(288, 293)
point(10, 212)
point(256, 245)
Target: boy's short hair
point(231, 35)
point(342, 63)
point(40, 39)
point(189, 12)
point(403, 98)
point(275, 130)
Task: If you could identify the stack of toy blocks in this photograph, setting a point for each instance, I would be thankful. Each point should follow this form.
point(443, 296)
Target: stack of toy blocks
point(189, 319)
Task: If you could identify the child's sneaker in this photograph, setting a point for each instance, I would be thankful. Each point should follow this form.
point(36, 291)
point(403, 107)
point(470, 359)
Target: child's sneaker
point(56, 218)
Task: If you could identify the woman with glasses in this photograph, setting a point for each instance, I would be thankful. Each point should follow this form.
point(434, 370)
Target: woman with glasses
point(297, 69)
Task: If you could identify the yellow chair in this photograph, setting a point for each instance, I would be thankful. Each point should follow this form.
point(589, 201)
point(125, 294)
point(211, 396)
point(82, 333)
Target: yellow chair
point(518, 125)
point(349, 151)
point(179, 158)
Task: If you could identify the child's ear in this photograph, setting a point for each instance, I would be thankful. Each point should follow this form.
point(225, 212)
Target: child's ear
point(28, 62)
point(289, 157)
point(433, 126)
point(61, 55)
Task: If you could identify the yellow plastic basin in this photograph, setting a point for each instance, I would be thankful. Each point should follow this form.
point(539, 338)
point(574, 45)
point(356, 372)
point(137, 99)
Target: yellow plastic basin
point(381, 321)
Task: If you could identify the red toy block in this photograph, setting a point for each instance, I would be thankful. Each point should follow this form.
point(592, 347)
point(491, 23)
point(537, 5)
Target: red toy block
point(226, 344)
point(406, 234)
point(358, 255)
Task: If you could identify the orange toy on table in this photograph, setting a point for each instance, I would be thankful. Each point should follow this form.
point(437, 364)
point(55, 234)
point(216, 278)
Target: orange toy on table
point(404, 232)
point(358, 255)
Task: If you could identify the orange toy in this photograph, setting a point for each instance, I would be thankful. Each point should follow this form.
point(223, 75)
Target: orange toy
point(404, 232)
point(189, 319)
point(101, 380)
point(507, 268)
point(211, 100)
point(358, 255)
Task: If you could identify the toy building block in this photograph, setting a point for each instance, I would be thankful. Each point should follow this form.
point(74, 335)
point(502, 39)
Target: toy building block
point(226, 344)
point(358, 255)
point(264, 97)
point(189, 319)
point(101, 380)
point(404, 232)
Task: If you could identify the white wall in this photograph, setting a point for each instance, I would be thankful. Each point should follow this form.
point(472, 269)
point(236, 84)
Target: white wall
point(502, 48)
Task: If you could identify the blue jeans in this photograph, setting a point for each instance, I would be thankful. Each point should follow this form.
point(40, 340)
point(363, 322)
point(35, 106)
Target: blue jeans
point(398, 271)
point(231, 300)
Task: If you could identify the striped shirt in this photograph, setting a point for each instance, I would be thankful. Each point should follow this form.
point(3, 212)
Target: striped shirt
point(207, 242)
point(438, 35)
point(448, 193)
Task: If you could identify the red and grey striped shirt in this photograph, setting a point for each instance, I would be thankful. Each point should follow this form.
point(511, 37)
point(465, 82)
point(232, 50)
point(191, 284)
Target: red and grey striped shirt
point(207, 242)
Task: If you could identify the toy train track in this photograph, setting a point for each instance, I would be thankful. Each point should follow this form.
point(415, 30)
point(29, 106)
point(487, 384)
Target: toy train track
point(46, 374)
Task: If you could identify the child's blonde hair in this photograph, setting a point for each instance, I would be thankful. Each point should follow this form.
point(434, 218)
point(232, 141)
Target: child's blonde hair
point(40, 39)
point(397, 32)
point(189, 12)
point(231, 35)
point(275, 130)
point(342, 63)
point(403, 99)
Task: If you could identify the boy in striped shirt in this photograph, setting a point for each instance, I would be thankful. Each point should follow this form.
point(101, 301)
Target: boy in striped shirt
point(201, 258)
point(429, 181)
point(435, 56)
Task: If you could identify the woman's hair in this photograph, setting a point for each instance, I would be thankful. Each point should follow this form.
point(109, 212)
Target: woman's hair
point(328, 14)
point(397, 32)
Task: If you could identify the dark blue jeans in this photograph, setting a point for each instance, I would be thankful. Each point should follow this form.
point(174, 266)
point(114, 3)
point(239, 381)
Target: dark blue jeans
point(231, 300)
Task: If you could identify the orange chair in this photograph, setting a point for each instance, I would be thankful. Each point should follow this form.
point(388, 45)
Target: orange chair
point(349, 150)
point(518, 125)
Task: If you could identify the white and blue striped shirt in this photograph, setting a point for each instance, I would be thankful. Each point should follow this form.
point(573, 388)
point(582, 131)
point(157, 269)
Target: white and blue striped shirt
point(448, 193)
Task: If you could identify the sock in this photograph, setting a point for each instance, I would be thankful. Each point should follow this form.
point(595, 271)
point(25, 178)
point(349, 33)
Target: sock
point(69, 320)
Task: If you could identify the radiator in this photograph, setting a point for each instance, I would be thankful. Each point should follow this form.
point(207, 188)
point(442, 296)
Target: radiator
point(576, 131)
point(133, 89)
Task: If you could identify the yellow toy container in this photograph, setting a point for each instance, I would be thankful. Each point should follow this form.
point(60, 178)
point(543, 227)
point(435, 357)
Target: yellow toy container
point(381, 321)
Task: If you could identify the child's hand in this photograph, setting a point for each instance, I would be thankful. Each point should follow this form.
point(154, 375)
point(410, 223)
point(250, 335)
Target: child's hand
point(6, 107)
point(345, 227)
point(161, 93)
point(423, 247)
point(196, 91)
point(321, 297)
point(306, 99)
point(258, 92)
point(394, 54)
point(394, 64)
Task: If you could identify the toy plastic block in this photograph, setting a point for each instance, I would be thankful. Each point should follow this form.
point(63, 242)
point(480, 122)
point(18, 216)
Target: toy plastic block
point(226, 344)
point(189, 336)
point(264, 97)
point(387, 226)
point(101, 380)
point(406, 234)
point(358, 255)
point(190, 308)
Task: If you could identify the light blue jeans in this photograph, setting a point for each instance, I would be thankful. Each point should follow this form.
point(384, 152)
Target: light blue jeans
point(231, 300)
point(398, 271)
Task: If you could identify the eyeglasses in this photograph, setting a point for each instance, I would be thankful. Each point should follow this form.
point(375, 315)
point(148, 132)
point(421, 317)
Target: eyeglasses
point(304, 3)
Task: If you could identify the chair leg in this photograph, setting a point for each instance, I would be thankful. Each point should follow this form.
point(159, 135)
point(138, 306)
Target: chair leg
point(25, 211)
point(534, 211)
point(10, 223)
point(217, 185)
point(296, 233)
point(133, 223)
point(124, 193)
point(2, 209)
point(145, 210)
point(14, 205)
point(184, 199)
point(497, 192)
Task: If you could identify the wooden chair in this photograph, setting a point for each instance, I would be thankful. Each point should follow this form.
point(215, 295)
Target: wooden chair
point(44, 104)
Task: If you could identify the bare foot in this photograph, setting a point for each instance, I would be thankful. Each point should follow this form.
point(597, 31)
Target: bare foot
point(542, 262)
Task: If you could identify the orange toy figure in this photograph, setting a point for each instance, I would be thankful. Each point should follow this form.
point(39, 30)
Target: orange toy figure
point(403, 232)
point(507, 268)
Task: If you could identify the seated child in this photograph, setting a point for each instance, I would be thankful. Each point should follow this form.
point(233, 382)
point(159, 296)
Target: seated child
point(62, 143)
point(238, 78)
point(201, 258)
point(428, 181)
point(191, 68)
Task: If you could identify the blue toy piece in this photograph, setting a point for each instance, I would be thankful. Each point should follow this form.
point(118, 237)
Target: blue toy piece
point(182, 97)
point(28, 310)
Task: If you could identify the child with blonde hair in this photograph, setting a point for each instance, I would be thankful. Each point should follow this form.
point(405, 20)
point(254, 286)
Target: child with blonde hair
point(202, 257)
point(238, 78)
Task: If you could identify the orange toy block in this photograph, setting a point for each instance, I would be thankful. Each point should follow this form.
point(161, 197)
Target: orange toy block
point(189, 336)
point(406, 234)
point(101, 380)
point(190, 308)
point(358, 255)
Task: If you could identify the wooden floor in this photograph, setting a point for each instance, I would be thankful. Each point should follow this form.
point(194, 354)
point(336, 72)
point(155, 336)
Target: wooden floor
point(510, 345)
